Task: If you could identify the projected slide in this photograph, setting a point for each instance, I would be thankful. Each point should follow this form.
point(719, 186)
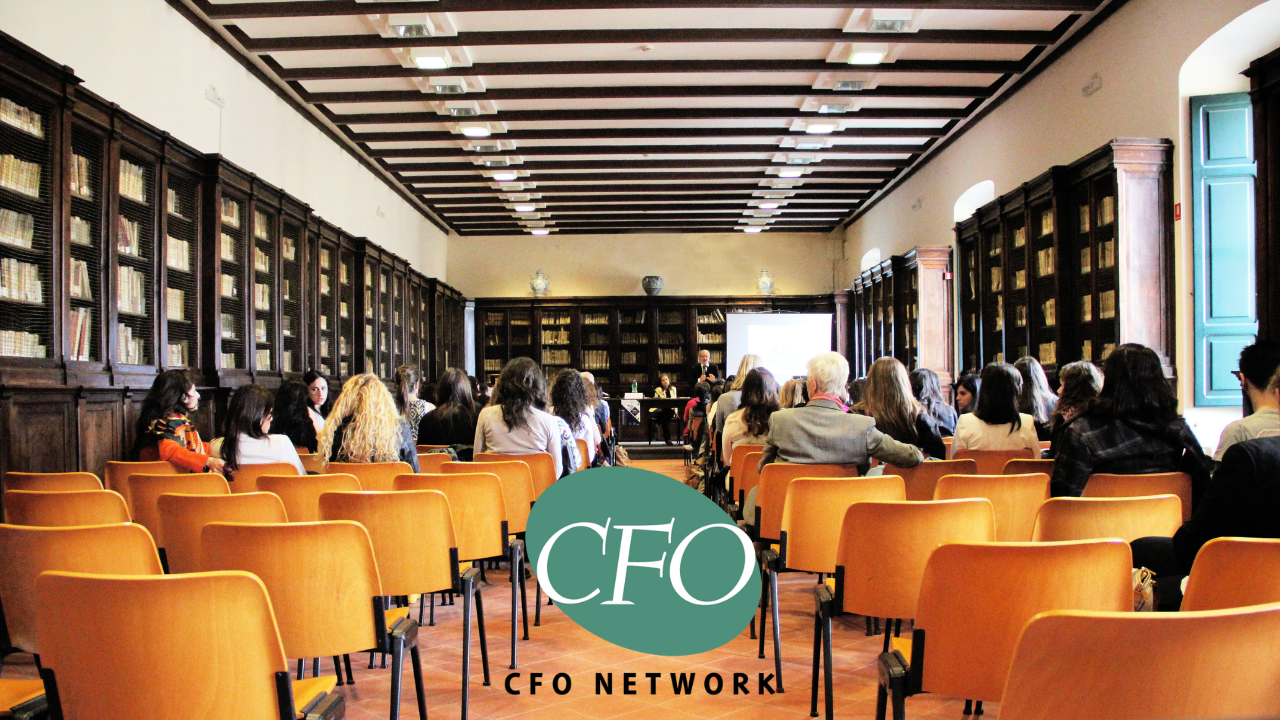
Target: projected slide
point(786, 342)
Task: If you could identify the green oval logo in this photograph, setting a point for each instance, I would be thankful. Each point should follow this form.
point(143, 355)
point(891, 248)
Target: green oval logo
point(643, 561)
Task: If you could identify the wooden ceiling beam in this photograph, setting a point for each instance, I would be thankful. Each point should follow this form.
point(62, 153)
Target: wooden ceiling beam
point(834, 152)
point(642, 133)
point(647, 114)
point(651, 230)
point(420, 182)
point(694, 189)
point(670, 91)
point(571, 202)
point(555, 168)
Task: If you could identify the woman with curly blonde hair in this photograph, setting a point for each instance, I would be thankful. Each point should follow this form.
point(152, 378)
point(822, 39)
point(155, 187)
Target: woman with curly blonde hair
point(365, 426)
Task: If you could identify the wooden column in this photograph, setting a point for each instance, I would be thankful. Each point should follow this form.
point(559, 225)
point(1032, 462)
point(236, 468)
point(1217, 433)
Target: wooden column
point(1144, 248)
point(936, 325)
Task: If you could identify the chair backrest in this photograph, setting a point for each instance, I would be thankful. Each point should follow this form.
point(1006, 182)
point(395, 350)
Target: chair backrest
point(1085, 666)
point(1016, 499)
point(245, 478)
point(183, 517)
point(542, 467)
point(123, 648)
point(1022, 466)
point(970, 634)
point(884, 547)
point(321, 578)
point(145, 490)
point(923, 478)
point(478, 508)
point(429, 463)
point(411, 531)
point(25, 552)
point(372, 476)
point(1170, 483)
point(51, 482)
point(301, 493)
point(739, 459)
point(117, 472)
point(992, 462)
point(422, 449)
point(1231, 572)
point(64, 509)
point(1066, 518)
point(583, 462)
point(813, 514)
point(517, 487)
point(312, 462)
point(749, 477)
point(774, 479)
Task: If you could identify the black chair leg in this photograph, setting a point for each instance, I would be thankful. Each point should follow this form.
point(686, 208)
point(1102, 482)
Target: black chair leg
point(777, 633)
point(337, 670)
point(384, 661)
point(346, 661)
point(371, 653)
point(968, 707)
point(468, 589)
point(315, 667)
point(524, 600)
point(888, 624)
point(817, 660)
point(753, 626)
point(300, 668)
point(416, 657)
point(977, 707)
point(764, 610)
point(397, 669)
point(515, 606)
point(826, 659)
point(432, 620)
point(537, 605)
point(484, 644)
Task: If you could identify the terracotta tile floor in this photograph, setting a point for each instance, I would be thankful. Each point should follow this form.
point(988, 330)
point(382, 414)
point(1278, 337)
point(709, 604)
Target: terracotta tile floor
point(560, 646)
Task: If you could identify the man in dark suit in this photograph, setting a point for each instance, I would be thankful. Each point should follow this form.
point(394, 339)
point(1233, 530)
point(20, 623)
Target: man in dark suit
point(705, 371)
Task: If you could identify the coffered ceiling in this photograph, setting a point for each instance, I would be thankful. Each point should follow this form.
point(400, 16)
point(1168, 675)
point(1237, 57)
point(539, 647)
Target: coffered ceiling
point(511, 117)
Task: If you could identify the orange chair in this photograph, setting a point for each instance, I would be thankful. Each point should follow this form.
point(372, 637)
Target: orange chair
point(64, 509)
point(737, 465)
point(1070, 518)
point(749, 479)
point(1170, 483)
point(429, 463)
point(52, 482)
point(923, 478)
point(1024, 467)
point(245, 478)
point(1046, 444)
point(301, 493)
point(1231, 572)
point(25, 552)
point(323, 580)
point(478, 507)
point(774, 480)
point(145, 490)
point(1073, 665)
point(1016, 499)
point(992, 462)
point(121, 647)
point(20, 697)
point(880, 563)
point(583, 461)
point(812, 514)
point(372, 476)
point(183, 517)
point(541, 466)
point(424, 449)
point(963, 642)
point(312, 462)
point(517, 487)
point(117, 472)
point(415, 548)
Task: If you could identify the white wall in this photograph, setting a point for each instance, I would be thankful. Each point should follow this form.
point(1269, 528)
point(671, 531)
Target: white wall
point(146, 57)
point(693, 264)
point(1139, 54)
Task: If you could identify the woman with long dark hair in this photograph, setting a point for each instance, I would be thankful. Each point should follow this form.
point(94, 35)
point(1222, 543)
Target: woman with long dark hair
point(246, 440)
point(995, 423)
point(571, 403)
point(320, 400)
point(889, 401)
point(365, 427)
point(749, 424)
point(967, 392)
point(164, 430)
point(412, 408)
point(453, 421)
point(291, 416)
point(1132, 427)
point(516, 421)
point(928, 392)
point(1036, 398)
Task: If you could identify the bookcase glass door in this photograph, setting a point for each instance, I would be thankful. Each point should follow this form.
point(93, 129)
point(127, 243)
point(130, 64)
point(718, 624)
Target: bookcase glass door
point(88, 155)
point(231, 279)
point(1043, 308)
point(1093, 268)
point(633, 347)
point(346, 312)
point(264, 325)
point(672, 325)
point(1016, 294)
point(555, 340)
point(135, 247)
point(291, 293)
point(413, 353)
point(328, 322)
point(993, 305)
point(387, 371)
point(495, 340)
point(711, 333)
point(180, 252)
point(26, 226)
point(596, 342)
point(397, 320)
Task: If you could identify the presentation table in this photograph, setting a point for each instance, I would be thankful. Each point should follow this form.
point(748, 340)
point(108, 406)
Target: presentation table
point(635, 413)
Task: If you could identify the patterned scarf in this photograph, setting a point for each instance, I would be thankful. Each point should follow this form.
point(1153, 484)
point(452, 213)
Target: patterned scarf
point(178, 429)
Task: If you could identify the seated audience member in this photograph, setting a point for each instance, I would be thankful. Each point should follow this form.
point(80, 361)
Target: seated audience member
point(479, 392)
point(789, 395)
point(995, 423)
point(291, 416)
point(412, 408)
point(967, 392)
point(320, 401)
point(749, 424)
point(164, 431)
point(453, 421)
point(1258, 364)
point(516, 421)
point(897, 413)
point(731, 395)
point(857, 392)
point(928, 391)
point(1036, 397)
point(365, 426)
point(246, 440)
point(664, 415)
point(570, 403)
point(1078, 383)
point(599, 407)
point(1132, 427)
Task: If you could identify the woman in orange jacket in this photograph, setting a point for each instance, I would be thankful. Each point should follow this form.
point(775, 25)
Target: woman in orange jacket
point(164, 431)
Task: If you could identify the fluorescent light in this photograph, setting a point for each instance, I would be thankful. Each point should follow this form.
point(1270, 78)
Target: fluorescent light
point(436, 62)
point(525, 208)
point(811, 145)
point(819, 128)
point(475, 130)
point(891, 20)
point(504, 176)
point(767, 205)
point(752, 229)
point(789, 173)
point(541, 231)
point(845, 85)
point(865, 54)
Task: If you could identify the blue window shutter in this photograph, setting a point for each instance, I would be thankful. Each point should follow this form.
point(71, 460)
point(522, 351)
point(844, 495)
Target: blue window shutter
point(1223, 173)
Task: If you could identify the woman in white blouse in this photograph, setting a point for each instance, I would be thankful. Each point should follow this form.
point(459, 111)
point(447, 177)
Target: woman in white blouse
point(515, 421)
point(995, 423)
point(247, 441)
